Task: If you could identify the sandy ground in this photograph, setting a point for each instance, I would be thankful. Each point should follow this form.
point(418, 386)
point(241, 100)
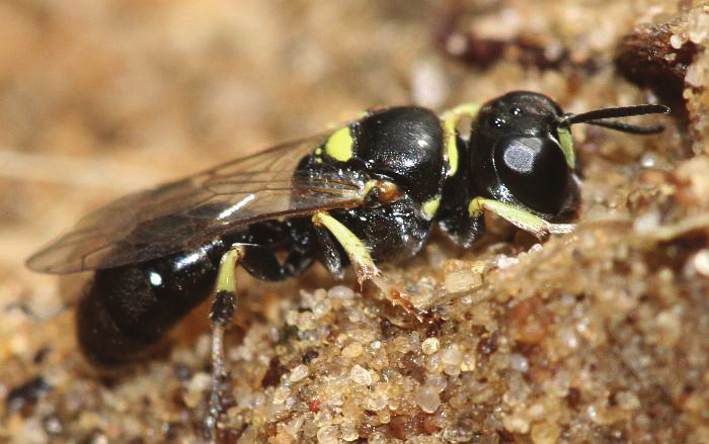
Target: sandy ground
point(596, 336)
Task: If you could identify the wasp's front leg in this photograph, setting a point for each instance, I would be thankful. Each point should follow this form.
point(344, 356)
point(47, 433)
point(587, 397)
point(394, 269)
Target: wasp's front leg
point(518, 217)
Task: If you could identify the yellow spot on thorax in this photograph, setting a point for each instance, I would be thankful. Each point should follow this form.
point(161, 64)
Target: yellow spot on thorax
point(430, 207)
point(450, 121)
point(452, 148)
point(340, 145)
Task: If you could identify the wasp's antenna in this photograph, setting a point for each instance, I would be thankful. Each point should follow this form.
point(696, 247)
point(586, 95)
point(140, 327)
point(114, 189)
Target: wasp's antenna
point(597, 117)
point(628, 127)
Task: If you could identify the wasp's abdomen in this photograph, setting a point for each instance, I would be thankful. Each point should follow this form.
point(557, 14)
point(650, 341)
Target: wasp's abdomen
point(128, 309)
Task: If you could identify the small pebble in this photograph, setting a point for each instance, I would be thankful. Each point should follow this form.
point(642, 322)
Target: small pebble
point(299, 373)
point(427, 399)
point(329, 434)
point(545, 433)
point(361, 375)
point(458, 434)
point(461, 280)
point(353, 350)
point(340, 292)
point(519, 363)
point(430, 346)
point(700, 261)
point(676, 41)
point(451, 359)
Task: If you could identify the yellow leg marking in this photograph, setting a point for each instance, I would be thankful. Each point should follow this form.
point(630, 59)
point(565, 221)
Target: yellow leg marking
point(221, 314)
point(365, 268)
point(450, 121)
point(518, 217)
point(354, 247)
point(226, 279)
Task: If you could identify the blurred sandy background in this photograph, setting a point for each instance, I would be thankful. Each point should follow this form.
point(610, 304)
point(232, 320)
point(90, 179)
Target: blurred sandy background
point(99, 98)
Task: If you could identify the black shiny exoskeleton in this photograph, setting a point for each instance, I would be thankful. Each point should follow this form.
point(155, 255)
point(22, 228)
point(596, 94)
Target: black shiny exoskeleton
point(367, 193)
point(130, 307)
point(516, 156)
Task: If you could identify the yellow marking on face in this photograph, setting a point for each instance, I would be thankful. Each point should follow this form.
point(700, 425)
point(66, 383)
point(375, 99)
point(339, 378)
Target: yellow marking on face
point(567, 146)
point(430, 207)
point(340, 145)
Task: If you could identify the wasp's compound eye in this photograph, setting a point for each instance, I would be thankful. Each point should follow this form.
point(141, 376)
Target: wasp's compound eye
point(535, 171)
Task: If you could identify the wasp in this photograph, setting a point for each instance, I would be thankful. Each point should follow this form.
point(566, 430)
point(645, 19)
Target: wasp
point(364, 194)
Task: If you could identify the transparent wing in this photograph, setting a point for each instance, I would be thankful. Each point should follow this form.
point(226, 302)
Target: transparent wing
point(189, 212)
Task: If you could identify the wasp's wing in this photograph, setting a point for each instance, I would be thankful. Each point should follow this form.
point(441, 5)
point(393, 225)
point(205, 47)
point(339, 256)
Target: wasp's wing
point(187, 213)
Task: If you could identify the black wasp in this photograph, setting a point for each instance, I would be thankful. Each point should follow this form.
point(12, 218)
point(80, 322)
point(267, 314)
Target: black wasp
point(366, 193)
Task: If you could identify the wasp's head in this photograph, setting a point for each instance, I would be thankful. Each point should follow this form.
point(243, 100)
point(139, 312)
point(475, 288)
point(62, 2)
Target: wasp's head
point(521, 149)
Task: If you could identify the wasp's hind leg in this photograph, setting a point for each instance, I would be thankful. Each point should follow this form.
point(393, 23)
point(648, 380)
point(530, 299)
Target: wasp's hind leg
point(259, 262)
point(358, 253)
point(220, 316)
point(517, 216)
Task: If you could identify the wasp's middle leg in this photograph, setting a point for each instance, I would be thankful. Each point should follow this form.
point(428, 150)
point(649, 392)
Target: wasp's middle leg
point(358, 253)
